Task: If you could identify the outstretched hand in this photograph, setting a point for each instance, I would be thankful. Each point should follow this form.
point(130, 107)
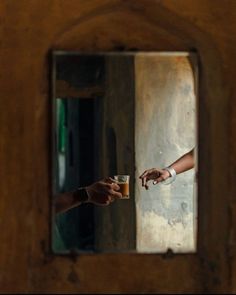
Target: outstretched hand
point(157, 175)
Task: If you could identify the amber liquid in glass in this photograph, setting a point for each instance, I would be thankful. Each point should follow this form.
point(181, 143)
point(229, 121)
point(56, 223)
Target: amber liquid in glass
point(124, 189)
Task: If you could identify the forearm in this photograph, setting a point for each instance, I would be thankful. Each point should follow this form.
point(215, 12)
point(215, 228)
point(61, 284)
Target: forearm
point(69, 200)
point(184, 163)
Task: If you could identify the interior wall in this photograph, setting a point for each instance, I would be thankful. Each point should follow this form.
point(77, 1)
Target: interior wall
point(29, 30)
point(165, 119)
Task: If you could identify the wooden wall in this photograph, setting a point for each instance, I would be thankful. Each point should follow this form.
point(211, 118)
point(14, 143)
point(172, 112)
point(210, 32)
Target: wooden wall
point(29, 31)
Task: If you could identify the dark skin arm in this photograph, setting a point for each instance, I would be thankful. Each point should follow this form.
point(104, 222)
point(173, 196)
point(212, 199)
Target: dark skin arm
point(100, 193)
point(181, 165)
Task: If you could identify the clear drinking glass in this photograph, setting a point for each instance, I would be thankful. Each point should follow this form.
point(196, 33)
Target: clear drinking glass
point(123, 182)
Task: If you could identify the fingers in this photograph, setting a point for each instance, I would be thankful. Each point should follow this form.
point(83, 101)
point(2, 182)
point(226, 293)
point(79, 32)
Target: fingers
point(157, 175)
point(110, 180)
point(144, 176)
point(143, 180)
point(110, 187)
point(115, 186)
point(148, 175)
point(111, 198)
point(117, 195)
point(160, 179)
point(146, 183)
point(148, 172)
point(104, 202)
point(112, 190)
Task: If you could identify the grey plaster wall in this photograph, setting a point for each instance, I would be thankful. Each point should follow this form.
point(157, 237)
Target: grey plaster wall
point(164, 130)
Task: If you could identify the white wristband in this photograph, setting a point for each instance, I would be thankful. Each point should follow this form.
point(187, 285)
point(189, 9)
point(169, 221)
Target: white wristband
point(172, 177)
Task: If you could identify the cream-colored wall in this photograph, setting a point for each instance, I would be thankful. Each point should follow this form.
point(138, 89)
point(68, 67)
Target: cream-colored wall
point(165, 110)
point(29, 30)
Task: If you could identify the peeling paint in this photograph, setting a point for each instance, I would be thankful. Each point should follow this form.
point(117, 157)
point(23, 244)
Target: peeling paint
point(165, 130)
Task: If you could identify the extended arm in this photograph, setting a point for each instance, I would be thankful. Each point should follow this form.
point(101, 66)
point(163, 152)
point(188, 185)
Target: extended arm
point(184, 163)
point(100, 193)
point(181, 165)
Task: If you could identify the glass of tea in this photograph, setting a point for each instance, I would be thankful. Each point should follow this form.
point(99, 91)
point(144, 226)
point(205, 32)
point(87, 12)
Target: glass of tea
point(123, 182)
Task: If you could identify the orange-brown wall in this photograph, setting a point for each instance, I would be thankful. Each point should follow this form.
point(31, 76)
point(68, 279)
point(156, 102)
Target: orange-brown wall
point(29, 31)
